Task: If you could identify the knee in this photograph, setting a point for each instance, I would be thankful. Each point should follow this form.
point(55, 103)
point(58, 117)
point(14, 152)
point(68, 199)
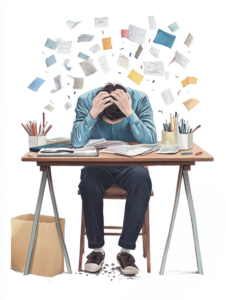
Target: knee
point(89, 176)
point(141, 178)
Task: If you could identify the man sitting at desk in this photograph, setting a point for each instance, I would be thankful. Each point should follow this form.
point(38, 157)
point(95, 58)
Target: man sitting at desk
point(114, 113)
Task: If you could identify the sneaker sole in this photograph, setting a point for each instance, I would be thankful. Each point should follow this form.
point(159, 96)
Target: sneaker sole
point(128, 272)
point(93, 269)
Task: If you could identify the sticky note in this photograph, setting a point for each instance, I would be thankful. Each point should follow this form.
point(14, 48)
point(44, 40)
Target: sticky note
point(35, 85)
point(173, 27)
point(189, 80)
point(124, 33)
point(50, 60)
point(134, 76)
point(164, 38)
point(106, 43)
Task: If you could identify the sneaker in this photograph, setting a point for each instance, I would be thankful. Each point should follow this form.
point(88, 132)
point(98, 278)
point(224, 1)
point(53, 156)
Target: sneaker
point(94, 262)
point(127, 263)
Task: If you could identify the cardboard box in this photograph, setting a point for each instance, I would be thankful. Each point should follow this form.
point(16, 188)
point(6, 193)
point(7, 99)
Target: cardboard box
point(47, 256)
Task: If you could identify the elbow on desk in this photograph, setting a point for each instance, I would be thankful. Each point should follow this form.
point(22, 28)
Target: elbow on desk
point(77, 143)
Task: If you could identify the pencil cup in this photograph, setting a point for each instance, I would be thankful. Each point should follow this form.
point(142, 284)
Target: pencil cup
point(36, 141)
point(185, 141)
point(168, 138)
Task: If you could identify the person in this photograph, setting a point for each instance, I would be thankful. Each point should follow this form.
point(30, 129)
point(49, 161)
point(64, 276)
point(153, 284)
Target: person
point(114, 112)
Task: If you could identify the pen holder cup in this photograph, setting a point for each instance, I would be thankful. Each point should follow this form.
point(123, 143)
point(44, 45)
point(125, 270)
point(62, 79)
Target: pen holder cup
point(168, 138)
point(36, 141)
point(185, 141)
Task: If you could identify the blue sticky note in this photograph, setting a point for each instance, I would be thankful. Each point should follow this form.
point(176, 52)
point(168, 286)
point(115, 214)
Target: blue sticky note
point(164, 38)
point(51, 44)
point(83, 56)
point(50, 60)
point(35, 85)
point(173, 27)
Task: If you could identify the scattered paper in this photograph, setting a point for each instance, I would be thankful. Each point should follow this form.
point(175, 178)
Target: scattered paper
point(50, 61)
point(95, 48)
point(66, 62)
point(191, 103)
point(152, 23)
point(106, 43)
point(189, 80)
point(189, 40)
point(51, 44)
point(85, 38)
point(139, 50)
point(67, 105)
point(72, 24)
point(58, 83)
point(164, 38)
point(124, 33)
point(64, 47)
point(136, 34)
point(134, 76)
point(154, 51)
point(103, 63)
point(167, 75)
point(78, 82)
point(173, 27)
point(101, 22)
point(49, 107)
point(83, 56)
point(123, 61)
point(168, 149)
point(181, 59)
point(88, 67)
point(35, 85)
point(60, 40)
point(153, 68)
point(167, 97)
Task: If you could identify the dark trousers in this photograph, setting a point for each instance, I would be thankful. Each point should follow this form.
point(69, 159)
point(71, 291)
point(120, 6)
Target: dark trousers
point(94, 183)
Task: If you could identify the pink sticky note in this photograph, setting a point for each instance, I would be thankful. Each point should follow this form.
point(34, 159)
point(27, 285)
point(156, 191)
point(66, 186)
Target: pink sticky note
point(124, 33)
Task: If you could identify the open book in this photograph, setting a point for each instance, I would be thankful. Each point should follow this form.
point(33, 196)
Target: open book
point(79, 152)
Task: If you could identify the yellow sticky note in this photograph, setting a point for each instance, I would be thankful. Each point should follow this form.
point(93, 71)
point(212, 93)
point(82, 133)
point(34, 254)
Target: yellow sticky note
point(185, 82)
point(106, 43)
point(192, 80)
point(134, 76)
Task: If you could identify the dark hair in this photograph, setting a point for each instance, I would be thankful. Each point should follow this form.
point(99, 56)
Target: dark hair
point(112, 112)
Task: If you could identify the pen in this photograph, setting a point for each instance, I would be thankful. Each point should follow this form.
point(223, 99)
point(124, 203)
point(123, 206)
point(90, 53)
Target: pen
point(198, 153)
point(196, 128)
point(43, 120)
point(25, 129)
point(169, 127)
point(188, 129)
point(171, 122)
point(179, 130)
point(48, 129)
point(184, 153)
point(184, 128)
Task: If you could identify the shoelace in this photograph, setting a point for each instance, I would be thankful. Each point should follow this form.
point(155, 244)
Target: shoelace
point(127, 258)
point(94, 256)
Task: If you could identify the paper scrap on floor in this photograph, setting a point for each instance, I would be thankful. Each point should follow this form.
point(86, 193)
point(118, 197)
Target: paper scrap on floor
point(103, 64)
point(58, 84)
point(136, 77)
point(136, 34)
point(153, 68)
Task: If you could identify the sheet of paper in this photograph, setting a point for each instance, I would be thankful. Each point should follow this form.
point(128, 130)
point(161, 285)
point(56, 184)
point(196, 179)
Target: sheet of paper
point(181, 59)
point(123, 61)
point(95, 48)
point(136, 77)
point(35, 85)
point(103, 64)
point(152, 23)
point(65, 63)
point(78, 82)
point(101, 22)
point(107, 43)
point(191, 103)
point(83, 56)
point(189, 40)
point(167, 75)
point(154, 51)
point(49, 107)
point(153, 68)
point(164, 38)
point(58, 83)
point(72, 24)
point(88, 67)
point(168, 149)
point(85, 38)
point(67, 105)
point(167, 97)
point(51, 44)
point(138, 52)
point(64, 47)
point(50, 61)
point(189, 80)
point(136, 34)
point(124, 33)
point(93, 141)
point(173, 27)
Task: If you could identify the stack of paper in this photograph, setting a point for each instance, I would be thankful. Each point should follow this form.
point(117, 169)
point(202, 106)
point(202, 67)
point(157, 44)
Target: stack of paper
point(80, 152)
point(102, 143)
point(140, 149)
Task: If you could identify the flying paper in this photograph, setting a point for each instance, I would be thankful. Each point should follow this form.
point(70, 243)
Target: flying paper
point(153, 68)
point(60, 40)
point(164, 38)
point(173, 27)
point(66, 62)
point(136, 34)
point(67, 105)
point(35, 85)
point(49, 107)
point(134, 76)
point(64, 47)
point(58, 83)
point(85, 38)
point(167, 97)
point(124, 33)
point(123, 61)
point(78, 82)
point(189, 40)
point(167, 75)
point(181, 59)
point(101, 22)
point(154, 51)
point(139, 50)
point(50, 61)
point(95, 48)
point(106, 43)
point(152, 23)
point(104, 64)
point(189, 80)
point(88, 67)
point(83, 56)
point(191, 103)
point(72, 24)
point(51, 44)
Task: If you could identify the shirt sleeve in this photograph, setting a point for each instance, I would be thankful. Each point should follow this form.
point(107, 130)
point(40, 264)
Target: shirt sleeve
point(83, 125)
point(142, 124)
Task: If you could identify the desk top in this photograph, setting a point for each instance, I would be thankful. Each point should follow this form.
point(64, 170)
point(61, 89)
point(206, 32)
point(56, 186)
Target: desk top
point(118, 160)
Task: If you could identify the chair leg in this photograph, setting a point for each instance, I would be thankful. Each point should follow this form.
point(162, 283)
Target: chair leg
point(148, 240)
point(82, 238)
point(84, 244)
point(144, 239)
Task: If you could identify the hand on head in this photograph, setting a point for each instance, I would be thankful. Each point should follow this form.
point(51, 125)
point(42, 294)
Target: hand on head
point(123, 101)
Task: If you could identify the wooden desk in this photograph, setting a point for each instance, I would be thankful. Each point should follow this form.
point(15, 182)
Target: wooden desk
point(183, 161)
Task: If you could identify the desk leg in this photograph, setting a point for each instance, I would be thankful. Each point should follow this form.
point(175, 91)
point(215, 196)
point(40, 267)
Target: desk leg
point(57, 220)
point(35, 222)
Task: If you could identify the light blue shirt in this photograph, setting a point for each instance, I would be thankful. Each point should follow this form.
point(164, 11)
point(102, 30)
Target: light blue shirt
point(138, 127)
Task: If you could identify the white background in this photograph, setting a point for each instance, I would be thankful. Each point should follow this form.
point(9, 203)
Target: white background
point(25, 26)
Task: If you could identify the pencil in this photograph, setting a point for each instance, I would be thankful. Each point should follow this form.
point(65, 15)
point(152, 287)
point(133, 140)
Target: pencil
point(48, 129)
point(25, 128)
point(171, 122)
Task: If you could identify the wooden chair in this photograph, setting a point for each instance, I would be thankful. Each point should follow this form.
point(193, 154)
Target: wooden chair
point(114, 192)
